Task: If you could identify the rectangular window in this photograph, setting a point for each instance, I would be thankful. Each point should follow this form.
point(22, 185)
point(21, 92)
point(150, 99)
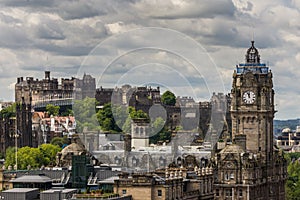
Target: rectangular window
point(217, 192)
point(232, 176)
point(228, 193)
point(159, 193)
point(240, 192)
point(226, 176)
point(124, 191)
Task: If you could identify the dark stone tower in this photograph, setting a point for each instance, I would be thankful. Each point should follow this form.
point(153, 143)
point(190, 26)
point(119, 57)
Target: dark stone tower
point(24, 124)
point(127, 142)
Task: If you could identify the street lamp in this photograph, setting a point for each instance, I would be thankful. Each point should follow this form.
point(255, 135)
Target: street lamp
point(16, 135)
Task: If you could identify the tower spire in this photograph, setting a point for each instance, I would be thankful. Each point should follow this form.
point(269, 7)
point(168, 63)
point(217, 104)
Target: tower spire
point(252, 34)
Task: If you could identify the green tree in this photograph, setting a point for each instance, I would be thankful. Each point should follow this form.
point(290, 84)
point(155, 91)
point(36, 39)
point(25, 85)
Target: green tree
point(68, 112)
point(117, 118)
point(29, 157)
point(59, 141)
point(158, 124)
point(120, 114)
point(85, 114)
point(106, 119)
point(133, 114)
point(33, 157)
point(138, 114)
point(160, 131)
point(168, 98)
point(52, 109)
point(293, 182)
point(126, 128)
point(9, 111)
point(49, 152)
point(10, 156)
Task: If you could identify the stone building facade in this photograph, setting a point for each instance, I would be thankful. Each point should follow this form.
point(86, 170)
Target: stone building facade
point(186, 113)
point(141, 98)
point(170, 183)
point(34, 94)
point(50, 90)
point(7, 132)
point(289, 140)
point(252, 167)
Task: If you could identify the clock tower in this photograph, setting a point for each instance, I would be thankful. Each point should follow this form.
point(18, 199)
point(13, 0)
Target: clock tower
point(251, 167)
point(252, 106)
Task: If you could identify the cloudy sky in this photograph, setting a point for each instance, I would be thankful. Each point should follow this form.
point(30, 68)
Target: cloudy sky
point(190, 47)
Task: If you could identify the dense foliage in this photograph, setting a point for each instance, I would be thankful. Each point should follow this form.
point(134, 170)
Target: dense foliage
point(133, 114)
point(85, 114)
point(118, 118)
point(293, 181)
point(107, 120)
point(44, 155)
point(161, 133)
point(9, 111)
point(52, 109)
point(168, 98)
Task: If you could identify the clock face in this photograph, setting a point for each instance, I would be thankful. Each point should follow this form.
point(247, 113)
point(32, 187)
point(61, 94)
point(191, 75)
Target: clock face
point(249, 97)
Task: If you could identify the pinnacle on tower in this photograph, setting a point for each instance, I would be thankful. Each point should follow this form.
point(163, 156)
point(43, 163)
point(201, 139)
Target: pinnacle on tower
point(252, 56)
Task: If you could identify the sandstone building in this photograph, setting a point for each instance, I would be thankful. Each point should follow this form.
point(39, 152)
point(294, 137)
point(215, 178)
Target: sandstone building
point(252, 167)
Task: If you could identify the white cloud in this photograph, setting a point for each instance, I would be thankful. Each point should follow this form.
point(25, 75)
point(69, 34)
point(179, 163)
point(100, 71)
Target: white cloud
point(66, 32)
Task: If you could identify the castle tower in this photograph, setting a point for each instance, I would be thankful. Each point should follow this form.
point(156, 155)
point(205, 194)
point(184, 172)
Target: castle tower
point(251, 168)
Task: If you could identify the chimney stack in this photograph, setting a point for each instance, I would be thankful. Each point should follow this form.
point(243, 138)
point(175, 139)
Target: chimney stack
point(47, 75)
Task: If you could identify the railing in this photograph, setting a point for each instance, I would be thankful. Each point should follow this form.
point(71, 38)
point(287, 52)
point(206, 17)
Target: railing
point(257, 68)
point(56, 102)
point(101, 196)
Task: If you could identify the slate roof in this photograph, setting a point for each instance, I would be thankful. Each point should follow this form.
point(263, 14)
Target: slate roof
point(20, 190)
point(32, 179)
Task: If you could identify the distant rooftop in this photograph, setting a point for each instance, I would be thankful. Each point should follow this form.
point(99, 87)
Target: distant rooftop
point(20, 190)
point(32, 179)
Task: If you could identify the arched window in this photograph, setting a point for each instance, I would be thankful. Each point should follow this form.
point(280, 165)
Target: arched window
point(179, 161)
point(135, 162)
point(162, 162)
point(141, 131)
